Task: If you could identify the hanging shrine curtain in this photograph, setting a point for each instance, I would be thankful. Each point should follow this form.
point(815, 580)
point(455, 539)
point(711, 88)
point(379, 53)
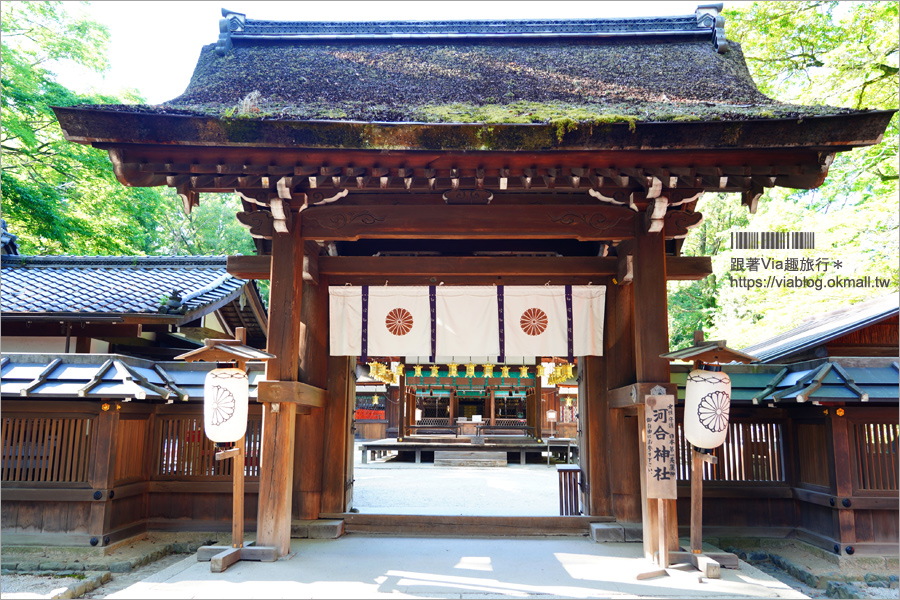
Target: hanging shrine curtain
point(467, 321)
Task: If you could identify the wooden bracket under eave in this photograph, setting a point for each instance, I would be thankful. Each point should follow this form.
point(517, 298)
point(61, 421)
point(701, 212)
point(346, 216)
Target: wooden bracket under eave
point(656, 212)
point(625, 269)
point(751, 197)
point(290, 391)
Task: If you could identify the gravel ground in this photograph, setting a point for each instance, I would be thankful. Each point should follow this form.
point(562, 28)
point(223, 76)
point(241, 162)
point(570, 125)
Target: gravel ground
point(33, 586)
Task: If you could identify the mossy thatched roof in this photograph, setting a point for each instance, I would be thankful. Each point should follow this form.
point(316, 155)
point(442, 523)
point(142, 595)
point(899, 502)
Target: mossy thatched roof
point(486, 81)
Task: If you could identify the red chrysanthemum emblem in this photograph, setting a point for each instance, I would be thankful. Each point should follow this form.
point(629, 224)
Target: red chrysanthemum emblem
point(533, 321)
point(399, 321)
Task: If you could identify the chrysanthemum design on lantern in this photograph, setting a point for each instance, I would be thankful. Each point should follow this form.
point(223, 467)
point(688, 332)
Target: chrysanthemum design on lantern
point(222, 405)
point(534, 321)
point(713, 411)
point(399, 321)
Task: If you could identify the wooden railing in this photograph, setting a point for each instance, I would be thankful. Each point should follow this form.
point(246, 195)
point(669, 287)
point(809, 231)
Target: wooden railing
point(433, 422)
point(46, 449)
point(184, 452)
point(876, 455)
point(752, 452)
point(510, 422)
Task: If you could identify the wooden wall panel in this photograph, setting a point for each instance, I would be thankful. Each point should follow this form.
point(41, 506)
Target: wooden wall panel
point(885, 526)
point(79, 517)
point(812, 454)
point(817, 519)
point(127, 511)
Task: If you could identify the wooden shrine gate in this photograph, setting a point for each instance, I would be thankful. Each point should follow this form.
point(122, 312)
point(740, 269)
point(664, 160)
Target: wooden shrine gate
point(314, 449)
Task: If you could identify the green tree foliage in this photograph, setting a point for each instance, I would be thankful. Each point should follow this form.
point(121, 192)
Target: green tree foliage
point(831, 53)
point(57, 196)
point(210, 229)
point(63, 198)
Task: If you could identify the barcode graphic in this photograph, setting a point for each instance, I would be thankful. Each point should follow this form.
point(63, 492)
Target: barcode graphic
point(773, 240)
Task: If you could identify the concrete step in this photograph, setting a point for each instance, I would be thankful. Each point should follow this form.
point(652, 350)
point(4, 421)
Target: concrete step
point(616, 532)
point(473, 458)
point(320, 529)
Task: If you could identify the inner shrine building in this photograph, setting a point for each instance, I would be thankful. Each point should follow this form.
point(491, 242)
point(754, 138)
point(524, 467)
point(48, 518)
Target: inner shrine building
point(493, 193)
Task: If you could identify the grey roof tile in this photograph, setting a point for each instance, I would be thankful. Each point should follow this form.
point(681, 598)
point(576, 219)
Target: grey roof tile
point(111, 285)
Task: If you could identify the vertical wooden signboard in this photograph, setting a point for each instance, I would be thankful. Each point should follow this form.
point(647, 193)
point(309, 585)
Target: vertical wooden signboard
point(660, 460)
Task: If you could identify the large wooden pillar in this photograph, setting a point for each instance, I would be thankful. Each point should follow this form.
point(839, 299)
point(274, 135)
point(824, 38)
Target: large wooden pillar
point(279, 419)
point(593, 403)
point(620, 371)
point(651, 339)
point(338, 448)
point(309, 449)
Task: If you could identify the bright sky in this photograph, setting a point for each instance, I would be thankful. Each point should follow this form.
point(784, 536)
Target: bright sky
point(155, 45)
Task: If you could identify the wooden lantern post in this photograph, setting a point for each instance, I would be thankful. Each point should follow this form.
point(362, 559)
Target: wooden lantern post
point(221, 557)
point(713, 351)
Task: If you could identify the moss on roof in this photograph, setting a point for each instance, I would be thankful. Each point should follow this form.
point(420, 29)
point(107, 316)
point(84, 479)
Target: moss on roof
point(564, 82)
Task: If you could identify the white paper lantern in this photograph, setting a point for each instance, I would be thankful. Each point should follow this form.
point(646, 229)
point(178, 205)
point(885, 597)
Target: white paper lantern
point(226, 393)
point(707, 401)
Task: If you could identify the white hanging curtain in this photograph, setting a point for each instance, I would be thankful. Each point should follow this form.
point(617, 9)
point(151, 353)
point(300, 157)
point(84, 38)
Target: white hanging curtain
point(399, 321)
point(535, 320)
point(588, 308)
point(467, 321)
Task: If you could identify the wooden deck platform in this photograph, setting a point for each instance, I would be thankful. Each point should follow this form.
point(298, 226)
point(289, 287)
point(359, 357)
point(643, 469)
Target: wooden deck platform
point(423, 448)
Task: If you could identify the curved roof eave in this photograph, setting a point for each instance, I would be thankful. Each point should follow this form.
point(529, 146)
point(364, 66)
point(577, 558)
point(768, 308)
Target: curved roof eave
point(104, 126)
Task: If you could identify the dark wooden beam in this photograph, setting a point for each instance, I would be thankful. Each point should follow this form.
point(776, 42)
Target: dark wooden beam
point(344, 268)
point(585, 223)
point(291, 391)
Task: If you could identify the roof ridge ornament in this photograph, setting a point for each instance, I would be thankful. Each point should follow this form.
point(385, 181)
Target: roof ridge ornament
point(236, 26)
point(233, 21)
point(708, 15)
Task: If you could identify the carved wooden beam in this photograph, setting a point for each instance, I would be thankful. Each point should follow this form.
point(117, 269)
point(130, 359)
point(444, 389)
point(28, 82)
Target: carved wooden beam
point(259, 222)
point(679, 222)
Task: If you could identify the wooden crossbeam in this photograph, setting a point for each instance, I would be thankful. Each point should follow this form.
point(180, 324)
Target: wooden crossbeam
point(290, 391)
point(678, 268)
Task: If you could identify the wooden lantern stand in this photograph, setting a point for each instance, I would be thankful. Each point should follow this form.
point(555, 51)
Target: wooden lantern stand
point(708, 563)
point(222, 557)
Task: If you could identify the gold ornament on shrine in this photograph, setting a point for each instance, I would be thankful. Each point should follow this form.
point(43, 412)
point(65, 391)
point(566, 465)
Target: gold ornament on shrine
point(470, 369)
point(504, 371)
point(399, 370)
point(523, 371)
point(539, 370)
point(435, 371)
point(452, 367)
point(417, 371)
point(568, 372)
point(488, 370)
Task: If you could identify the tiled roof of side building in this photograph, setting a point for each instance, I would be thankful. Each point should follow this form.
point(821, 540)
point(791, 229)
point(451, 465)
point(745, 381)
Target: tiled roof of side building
point(92, 285)
point(826, 327)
